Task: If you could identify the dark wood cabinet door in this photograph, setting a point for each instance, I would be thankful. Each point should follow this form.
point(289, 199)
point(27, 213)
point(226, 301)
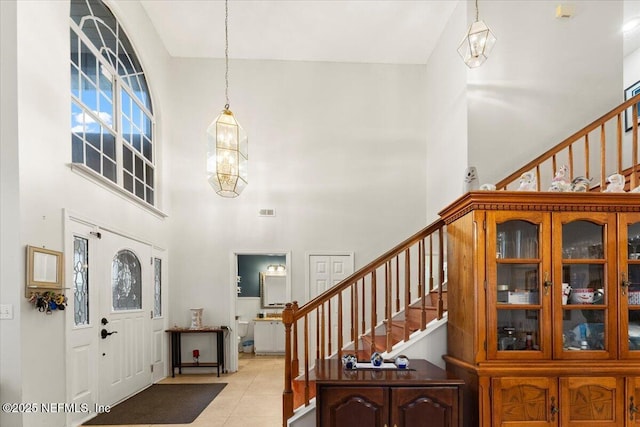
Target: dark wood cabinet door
point(353, 406)
point(413, 407)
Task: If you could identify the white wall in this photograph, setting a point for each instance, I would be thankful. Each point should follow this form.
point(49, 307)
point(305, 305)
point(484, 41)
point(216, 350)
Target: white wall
point(631, 68)
point(337, 149)
point(10, 271)
point(47, 185)
point(545, 79)
point(446, 116)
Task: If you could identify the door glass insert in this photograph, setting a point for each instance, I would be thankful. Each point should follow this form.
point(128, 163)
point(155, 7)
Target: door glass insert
point(633, 233)
point(126, 280)
point(518, 284)
point(584, 295)
point(586, 284)
point(633, 276)
point(634, 329)
point(582, 240)
point(518, 330)
point(583, 329)
point(157, 287)
point(80, 281)
point(517, 239)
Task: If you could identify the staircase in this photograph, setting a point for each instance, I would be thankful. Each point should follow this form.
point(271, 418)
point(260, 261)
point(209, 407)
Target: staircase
point(400, 296)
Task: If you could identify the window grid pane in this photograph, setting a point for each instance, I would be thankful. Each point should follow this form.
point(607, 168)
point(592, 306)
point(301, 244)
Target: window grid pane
point(102, 58)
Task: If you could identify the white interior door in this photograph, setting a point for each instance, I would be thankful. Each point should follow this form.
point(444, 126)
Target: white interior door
point(325, 271)
point(125, 312)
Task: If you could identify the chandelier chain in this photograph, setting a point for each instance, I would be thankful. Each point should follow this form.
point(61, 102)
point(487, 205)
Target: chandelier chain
point(477, 14)
point(226, 53)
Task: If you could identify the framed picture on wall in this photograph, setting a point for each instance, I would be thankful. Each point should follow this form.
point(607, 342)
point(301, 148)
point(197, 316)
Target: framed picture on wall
point(629, 93)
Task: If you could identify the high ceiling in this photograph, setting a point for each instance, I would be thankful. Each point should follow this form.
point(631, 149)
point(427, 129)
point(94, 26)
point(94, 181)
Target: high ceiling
point(372, 31)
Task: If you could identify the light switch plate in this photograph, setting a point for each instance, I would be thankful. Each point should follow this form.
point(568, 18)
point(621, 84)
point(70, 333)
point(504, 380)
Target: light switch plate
point(6, 311)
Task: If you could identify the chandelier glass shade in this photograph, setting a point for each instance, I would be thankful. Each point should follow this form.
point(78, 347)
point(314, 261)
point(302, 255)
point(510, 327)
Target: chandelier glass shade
point(477, 44)
point(227, 155)
point(227, 143)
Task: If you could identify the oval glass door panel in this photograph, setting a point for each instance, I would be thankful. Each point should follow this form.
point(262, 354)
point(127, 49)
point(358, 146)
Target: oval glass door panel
point(126, 281)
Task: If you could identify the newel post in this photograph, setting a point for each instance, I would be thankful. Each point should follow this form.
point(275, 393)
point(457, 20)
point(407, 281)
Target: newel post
point(287, 394)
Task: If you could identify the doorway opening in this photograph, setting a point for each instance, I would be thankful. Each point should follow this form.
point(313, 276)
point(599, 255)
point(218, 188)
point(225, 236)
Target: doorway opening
point(250, 268)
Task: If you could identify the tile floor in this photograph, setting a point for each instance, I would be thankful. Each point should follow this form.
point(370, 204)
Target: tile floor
point(252, 397)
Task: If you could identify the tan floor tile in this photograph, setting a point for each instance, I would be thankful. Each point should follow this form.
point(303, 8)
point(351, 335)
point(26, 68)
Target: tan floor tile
point(265, 406)
point(248, 421)
point(251, 398)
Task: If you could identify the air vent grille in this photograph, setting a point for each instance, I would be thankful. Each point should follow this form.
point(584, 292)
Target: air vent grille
point(267, 212)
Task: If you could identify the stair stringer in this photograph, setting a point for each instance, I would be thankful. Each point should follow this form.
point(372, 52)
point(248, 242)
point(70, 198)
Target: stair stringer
point(430, 344)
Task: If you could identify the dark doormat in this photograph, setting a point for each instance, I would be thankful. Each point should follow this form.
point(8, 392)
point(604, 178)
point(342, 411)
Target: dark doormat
point(161, 404)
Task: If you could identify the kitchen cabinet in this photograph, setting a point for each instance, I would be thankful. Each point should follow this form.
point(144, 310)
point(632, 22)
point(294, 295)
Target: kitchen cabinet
point(386, 397)
point(268, 336)
point(544, 307)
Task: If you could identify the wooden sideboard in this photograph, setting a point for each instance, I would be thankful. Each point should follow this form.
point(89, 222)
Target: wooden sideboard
point(378, 397)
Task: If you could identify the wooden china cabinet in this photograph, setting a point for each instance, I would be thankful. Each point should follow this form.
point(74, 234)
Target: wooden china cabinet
point(544, 307)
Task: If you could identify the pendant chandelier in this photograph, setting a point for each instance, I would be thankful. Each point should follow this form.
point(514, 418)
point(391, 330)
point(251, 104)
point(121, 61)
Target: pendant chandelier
point(227, 146)
point(477, 44)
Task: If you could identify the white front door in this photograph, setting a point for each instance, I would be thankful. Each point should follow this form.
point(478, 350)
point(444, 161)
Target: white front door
point(125, 311)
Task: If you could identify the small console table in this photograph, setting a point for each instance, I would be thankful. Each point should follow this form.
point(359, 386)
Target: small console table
point(176, 347)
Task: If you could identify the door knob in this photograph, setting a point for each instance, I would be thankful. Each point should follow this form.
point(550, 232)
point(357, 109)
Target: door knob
point(104, 321)
point(104, 333)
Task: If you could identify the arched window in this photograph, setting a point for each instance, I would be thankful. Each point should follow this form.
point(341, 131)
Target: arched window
point(112, 124)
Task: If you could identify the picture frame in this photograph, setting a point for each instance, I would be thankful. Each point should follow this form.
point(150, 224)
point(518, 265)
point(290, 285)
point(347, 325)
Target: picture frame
point(44, 270)
point(629, 93)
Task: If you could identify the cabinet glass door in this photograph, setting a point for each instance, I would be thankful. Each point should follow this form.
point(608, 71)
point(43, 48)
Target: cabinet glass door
point(515, 284)
point(629, 284)
point(583, 292)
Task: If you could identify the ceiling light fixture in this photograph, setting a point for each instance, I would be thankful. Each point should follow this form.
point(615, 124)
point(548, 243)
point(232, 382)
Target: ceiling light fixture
point(477, 44)
point(227, 146)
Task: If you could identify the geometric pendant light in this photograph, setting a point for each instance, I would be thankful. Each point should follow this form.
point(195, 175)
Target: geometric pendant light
point(227, 143)
point(477, 44)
